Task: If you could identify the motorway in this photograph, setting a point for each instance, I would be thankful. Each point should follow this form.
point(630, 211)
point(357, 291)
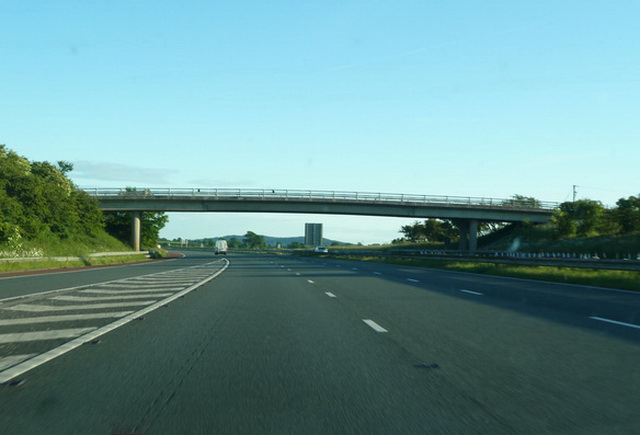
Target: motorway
point(259, 344)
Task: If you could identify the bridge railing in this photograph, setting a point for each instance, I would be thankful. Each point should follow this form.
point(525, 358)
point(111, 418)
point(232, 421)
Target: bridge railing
point(322, 195)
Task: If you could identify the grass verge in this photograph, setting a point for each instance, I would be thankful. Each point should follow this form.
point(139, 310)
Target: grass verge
point(619, 279)
point(18, 266)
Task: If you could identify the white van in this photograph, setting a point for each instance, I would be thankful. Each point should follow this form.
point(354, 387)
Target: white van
point(221, 247)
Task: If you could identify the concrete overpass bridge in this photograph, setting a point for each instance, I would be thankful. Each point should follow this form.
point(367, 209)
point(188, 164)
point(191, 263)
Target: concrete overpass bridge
point(467, 211)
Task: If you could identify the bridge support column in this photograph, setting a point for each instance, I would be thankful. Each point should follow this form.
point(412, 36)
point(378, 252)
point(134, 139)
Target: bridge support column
point(468, 234)
point(135, 230)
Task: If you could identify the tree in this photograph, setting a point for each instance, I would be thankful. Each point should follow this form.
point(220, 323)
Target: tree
point(437, 230)
point(38, 200)
point(523, 201)
point(627, 214)
point(118, 224)
point(580, 218)
point(254, 241)
point(414, 232)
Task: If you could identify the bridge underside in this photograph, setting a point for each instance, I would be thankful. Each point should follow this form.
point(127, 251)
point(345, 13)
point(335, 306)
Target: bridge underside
point(407, 210)
point(467, 217)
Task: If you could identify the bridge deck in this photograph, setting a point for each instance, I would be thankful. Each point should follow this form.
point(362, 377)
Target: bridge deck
point(318, 201)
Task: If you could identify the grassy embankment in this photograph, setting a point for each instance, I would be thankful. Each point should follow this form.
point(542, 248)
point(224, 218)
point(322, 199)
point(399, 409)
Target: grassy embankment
point(595, 277)
point(78, 250)
point(533, 239)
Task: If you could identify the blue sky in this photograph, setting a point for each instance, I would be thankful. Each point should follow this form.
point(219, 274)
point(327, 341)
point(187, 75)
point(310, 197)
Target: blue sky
point(467, 98)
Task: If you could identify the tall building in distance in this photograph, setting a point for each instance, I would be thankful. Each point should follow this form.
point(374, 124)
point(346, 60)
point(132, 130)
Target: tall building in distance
point(313, 234)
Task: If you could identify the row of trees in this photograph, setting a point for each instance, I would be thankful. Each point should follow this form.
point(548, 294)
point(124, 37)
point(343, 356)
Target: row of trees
point(587, 217)
point(38, 202)
point(250, 240)
point(582, 218)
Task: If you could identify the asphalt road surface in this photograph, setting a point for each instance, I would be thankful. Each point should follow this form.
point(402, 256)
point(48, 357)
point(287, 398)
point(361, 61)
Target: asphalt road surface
point(284, 345)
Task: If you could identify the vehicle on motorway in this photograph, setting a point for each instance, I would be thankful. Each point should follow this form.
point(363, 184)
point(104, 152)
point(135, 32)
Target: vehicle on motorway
point(221, 247)
point(321, 250)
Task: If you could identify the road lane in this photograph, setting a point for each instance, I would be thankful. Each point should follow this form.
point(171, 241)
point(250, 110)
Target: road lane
point(15, 329)
point(262, 350)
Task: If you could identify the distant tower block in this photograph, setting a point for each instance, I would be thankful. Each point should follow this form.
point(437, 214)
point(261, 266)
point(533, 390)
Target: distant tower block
point(313, 234)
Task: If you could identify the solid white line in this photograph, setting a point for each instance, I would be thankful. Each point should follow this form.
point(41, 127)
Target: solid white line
point(412, 280)
point(310, 281)
point(63, 318)
point(9, 361)
point(106, 298)
point(41, 308)
point(43, 335)
point(374, 325)
point(29, 364)
point(471, 292)
point(331, 295)
point(615, 322)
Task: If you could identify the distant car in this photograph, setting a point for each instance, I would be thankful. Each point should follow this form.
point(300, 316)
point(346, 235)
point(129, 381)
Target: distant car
point(321, 249)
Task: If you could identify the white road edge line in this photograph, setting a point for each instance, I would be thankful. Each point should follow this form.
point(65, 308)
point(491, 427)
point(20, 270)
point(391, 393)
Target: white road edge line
point(615, 322)
point(331, 295)
point(471, 292)
point(374, 325)
point(31, 363)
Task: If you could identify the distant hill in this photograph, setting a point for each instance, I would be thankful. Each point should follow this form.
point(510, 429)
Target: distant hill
point(284, 241)
point(273, 241)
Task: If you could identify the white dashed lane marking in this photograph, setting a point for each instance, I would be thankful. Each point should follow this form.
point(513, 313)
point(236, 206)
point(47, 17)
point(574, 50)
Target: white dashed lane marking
point(615, 322)
point(374, 325)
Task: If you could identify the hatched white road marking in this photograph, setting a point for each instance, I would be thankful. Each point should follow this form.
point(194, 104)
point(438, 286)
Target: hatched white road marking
point(63, 318)
point(42, 308)
point(106, 298)
point(374, 325)
point(43, 335)
point(12, 360)
point(122, 292)
point(15, 365)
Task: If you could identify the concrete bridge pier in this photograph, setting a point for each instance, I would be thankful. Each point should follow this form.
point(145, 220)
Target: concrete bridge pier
point(135, 230)
point(468, 234)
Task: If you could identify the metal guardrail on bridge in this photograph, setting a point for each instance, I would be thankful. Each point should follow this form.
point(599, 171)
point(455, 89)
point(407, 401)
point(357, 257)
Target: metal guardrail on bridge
point(318, 195)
